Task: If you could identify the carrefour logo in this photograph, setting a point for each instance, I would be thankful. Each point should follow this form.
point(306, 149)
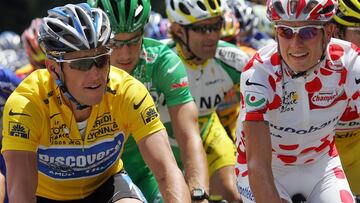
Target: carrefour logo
point(77, 162)
point(254, 100)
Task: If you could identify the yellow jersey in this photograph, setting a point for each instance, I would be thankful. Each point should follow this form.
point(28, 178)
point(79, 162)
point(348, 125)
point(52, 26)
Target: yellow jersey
point(71, 166)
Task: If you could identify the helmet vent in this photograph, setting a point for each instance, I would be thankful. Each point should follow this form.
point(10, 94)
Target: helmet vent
point(219, 2)
point(352, 6)
point(349, 18)
point(139, 11)
point(327, 9)
point(80, 16)
point(309, 6)
point(70, 38)
point(52, 43)
point(201, 5)
point(54, 27)
point(88, 34)
point(70, 21)
point(212, 4)
point(115, 10)
point(184, 9)
point(278, 8)
point(293, 6)
point(172, 5)
point(127, 10)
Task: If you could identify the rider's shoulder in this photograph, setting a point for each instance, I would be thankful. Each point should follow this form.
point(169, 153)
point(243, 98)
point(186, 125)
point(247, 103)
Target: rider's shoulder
point(156, 50)
point(267, 59)
point(338, 48)
point(231, 55)
point(169, 42)
point(119, 81)
point(342, 53)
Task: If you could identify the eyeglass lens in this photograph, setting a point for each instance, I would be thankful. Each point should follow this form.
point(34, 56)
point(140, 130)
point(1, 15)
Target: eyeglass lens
point(304, 33)
point(216, 27)
point(86, 64)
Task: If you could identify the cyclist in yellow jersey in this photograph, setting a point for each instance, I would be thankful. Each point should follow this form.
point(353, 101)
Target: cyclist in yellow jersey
point(347, 21)
point(65, 126)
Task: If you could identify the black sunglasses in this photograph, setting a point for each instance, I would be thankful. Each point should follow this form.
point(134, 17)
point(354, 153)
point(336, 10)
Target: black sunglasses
point(86, 63)
point(206, 29)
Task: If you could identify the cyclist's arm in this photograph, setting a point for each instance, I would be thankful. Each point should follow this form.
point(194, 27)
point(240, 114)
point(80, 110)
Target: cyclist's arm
point(156, 151)
point(258, 155)
point(184, 122)
point(21, 175)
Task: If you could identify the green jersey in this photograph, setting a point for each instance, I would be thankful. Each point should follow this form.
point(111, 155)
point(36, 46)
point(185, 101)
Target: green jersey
point(164, 75)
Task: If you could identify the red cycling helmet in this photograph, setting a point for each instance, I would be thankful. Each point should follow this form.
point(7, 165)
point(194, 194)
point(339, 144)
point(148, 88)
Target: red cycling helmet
point(29, 39)
point(301, 10)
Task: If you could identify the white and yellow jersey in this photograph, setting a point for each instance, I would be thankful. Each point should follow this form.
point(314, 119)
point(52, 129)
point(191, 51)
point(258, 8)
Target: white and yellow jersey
point(71, 167)
point(348, 145)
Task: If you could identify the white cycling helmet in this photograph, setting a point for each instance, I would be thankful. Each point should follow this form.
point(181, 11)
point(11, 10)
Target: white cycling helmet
point(306, 10)
point(73, 28)
point(187, 12)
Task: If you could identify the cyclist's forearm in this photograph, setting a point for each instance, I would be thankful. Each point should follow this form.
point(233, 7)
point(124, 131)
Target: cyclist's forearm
point(21, 176)
point(263, 187)
point(172, 186)
point(195, 163)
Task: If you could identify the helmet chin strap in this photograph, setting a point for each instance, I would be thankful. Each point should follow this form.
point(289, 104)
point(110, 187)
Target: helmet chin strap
point(304, 73)
point(66, 92)
point(187, 46)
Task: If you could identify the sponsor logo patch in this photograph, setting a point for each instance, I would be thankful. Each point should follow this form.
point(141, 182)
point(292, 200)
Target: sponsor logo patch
point(18, 130)
point(182, 83)
point(77, 162)
point(289, 101)
point(149, 114)
point(325, 99)
point(254, 100)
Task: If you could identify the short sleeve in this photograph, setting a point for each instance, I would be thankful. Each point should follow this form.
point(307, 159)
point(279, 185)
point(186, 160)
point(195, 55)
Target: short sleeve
point(256, 94)
point(21, 124)
point(143, 118)
point(172, 78)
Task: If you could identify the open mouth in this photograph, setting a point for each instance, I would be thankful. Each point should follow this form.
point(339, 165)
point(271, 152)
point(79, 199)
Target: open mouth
point(92, 87)
point(299, 55)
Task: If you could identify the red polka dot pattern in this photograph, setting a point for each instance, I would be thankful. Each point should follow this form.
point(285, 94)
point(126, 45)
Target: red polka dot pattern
point(356, 48)
point(275, 103)
point(336, 52)
point(339, 173)
point(314, 85)
point(241, 159)
point(333, 151)
point(309, 161)
point(346, 196)
point(287, 158)
point(343, 76)
point(272, 83)
point(356, 95)
point(325, 72)
point(289, 147)
point(275, 59)
point(251, 62)
point(306, 150)
point(237, 171)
